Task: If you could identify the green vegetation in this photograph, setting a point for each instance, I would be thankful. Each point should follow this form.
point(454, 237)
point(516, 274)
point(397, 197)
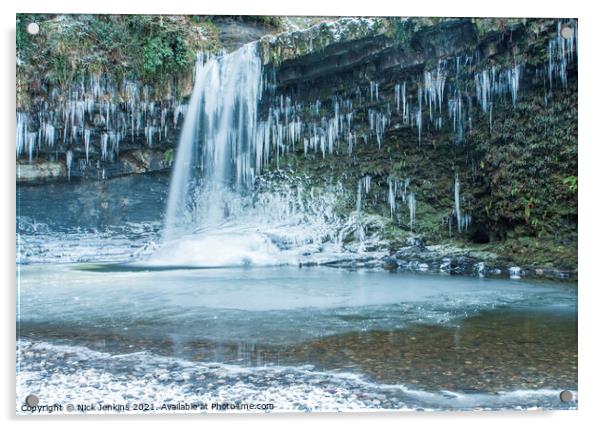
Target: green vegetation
point(143, 47)
point(401, 30)
point(168, 156)
point(571, 183)
point(528, 181)
point(151, 49)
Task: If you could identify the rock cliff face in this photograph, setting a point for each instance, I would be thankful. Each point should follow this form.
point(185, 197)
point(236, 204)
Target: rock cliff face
point(453, 131)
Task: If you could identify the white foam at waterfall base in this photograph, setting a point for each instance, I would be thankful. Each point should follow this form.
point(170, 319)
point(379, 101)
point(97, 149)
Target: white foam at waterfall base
point(223, 248)
point(287, 224)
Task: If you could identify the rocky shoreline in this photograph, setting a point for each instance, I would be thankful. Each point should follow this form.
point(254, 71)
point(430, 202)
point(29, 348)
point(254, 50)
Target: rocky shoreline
point(448, 259)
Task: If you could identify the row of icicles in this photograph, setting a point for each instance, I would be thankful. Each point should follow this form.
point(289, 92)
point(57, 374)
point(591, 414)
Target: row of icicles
point(334, 129)
point(399, 189)
point(96, 116)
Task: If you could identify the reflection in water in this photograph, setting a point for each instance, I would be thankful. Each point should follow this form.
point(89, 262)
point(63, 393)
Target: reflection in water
point(492, 352)
point(325, 338)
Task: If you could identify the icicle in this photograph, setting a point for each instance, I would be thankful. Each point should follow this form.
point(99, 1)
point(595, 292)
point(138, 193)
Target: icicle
point(483, 89)
point(22, 124)
point(331, 135)
point(419, 115)
point(180, 110)
point(514, 80)
point(365, 183)
point(456, 114)
point(392, 187)
point(561, 52)
point(434, 86)
point(373, 91)
point(358, 200)
point(49, 134)
point(404, 104)
point(69, 161)
point(87, 134)
point(114, 140)
point(350, 142)
point(465, 222)
point(31, 144)
point(104, 146)
point(457, 202)
point(323, 145)
point(412, 208)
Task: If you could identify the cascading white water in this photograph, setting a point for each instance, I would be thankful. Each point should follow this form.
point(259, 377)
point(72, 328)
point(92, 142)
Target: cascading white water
point(214, 215)
point(178, 188)
point(217, 141)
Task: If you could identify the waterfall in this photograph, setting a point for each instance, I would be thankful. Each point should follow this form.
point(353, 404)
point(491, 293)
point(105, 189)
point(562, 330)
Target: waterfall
point(215, 153)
